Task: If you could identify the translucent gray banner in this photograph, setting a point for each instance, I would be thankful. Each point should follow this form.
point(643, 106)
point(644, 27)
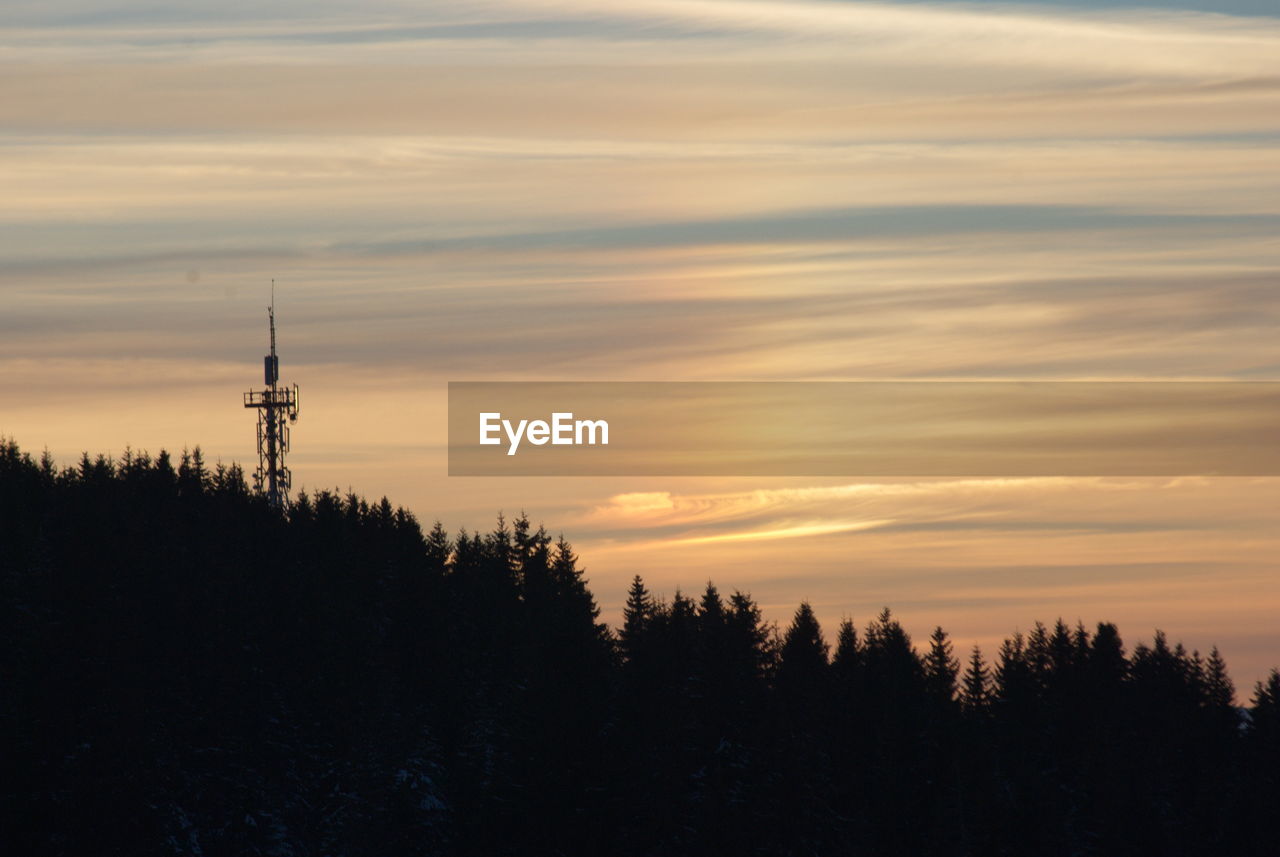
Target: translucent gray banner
point(865, 428)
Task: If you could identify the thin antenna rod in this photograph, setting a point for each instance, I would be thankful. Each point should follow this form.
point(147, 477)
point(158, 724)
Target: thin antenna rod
point(271, 315)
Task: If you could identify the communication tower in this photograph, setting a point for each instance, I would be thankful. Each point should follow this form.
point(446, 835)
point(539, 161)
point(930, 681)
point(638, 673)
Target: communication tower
point(277, 407)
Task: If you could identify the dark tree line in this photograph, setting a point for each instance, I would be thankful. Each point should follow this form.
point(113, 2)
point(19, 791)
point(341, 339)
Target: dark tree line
point(185, 671)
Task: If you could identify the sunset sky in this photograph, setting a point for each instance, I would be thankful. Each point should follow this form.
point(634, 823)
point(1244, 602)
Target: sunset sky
point(657, 190)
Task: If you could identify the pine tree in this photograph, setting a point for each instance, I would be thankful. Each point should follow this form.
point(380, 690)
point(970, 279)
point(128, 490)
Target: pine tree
point(1108, 667)
point(1015, 682)
point(976, 692)
point(438, 549)
point(941, 667)
point(1265, 713)
point(1220, 691)
point(746, 643)
point(846, 664)
point(893, 671)
point(637, 617)
point(804, 651)
point(710, 609)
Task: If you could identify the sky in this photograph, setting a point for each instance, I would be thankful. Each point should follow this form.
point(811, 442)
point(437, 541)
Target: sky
point(561, 190)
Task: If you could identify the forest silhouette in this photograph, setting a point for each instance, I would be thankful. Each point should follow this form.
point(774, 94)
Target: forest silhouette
point(184, 670)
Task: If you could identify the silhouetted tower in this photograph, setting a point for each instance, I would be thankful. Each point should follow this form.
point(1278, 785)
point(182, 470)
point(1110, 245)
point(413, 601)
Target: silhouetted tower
point(277, 407)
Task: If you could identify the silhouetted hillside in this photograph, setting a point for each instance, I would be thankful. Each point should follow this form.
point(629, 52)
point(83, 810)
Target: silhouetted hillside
point(185, 671)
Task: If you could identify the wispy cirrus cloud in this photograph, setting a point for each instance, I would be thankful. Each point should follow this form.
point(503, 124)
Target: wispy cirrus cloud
point(694, 69)
point(692, 189)
point(666, 510)
point(1066, 38)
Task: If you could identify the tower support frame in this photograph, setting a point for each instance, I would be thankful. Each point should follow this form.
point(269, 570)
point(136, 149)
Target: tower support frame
point(277, 406)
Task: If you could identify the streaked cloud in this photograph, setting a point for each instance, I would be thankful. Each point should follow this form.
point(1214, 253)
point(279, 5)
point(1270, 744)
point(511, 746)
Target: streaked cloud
point(666, 189)
point(899, 503)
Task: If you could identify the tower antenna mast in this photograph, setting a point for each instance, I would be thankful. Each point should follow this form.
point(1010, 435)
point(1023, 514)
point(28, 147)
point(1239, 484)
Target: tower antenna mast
point(277, 406)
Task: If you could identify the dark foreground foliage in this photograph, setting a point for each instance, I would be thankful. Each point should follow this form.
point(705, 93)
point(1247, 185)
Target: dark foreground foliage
point(183, 671)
